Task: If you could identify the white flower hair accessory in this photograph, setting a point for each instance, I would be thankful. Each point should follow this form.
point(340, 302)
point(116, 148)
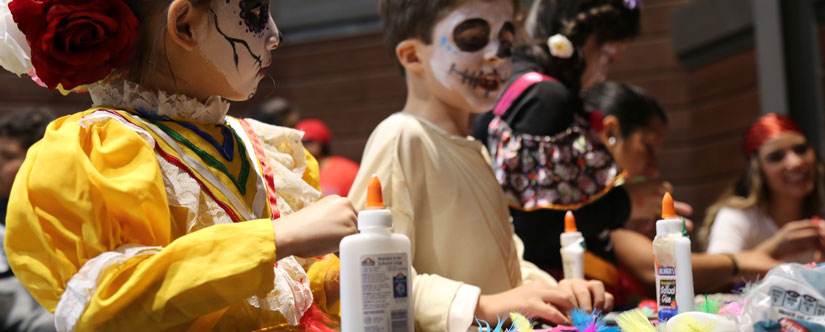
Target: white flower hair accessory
point(15, 54)
point(560, 46)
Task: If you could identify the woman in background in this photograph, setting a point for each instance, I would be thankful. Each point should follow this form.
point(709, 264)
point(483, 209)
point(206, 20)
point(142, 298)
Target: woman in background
point(777, 203)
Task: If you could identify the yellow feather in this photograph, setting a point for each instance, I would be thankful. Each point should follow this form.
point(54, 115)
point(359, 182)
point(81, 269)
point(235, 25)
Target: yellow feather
point(635, 321)
point(521, 323)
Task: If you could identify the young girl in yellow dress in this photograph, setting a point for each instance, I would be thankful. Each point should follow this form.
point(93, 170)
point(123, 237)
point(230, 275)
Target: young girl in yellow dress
point(154, 210)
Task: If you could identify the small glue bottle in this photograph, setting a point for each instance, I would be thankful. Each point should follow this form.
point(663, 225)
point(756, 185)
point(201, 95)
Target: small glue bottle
point(572, 249)
point(672, 259)
point(376, 285)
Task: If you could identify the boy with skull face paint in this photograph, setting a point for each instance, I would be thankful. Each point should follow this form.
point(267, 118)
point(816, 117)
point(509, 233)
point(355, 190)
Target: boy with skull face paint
point(455, 56)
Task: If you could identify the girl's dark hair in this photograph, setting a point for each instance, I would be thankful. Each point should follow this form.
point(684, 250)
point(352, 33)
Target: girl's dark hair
point(631, 105)
point(606, 20)
point(149, 44)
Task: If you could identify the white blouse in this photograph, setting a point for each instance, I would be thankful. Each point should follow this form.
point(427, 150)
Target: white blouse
point(735, 230)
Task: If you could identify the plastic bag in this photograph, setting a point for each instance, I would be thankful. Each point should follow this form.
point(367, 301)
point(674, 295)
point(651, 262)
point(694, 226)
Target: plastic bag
point(791, 297)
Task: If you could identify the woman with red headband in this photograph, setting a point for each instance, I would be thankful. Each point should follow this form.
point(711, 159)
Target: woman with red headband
point(775, 206)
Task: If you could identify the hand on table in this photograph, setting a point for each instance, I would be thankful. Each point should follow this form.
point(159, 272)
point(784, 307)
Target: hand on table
point(547, 303)
point(588, 294)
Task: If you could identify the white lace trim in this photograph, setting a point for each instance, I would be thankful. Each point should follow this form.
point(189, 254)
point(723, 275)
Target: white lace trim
point(285, 153)
point(83, 285)
point(291, 296)
point(183, 191)
point(132, 95)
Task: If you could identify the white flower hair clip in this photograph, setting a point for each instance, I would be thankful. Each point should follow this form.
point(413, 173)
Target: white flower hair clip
point(560, 46)
point(15, 54)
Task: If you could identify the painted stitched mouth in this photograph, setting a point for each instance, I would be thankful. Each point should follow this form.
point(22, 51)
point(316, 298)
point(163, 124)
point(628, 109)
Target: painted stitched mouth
point(489, 82)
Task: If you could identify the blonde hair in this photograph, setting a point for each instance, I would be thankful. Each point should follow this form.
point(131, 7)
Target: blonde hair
point(751, 191)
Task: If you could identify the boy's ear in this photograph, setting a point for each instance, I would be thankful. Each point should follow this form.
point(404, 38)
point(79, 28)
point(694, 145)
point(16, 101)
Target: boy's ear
point(612, 128)
point(407, 53)
point(182, 19)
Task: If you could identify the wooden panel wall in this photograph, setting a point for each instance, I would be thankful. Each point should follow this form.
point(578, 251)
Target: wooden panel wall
point(352, 84)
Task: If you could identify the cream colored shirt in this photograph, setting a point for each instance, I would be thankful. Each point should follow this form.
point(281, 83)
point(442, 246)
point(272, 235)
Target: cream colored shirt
point(445, 198)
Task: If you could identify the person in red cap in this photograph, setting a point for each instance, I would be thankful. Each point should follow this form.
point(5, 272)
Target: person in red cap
point(775, 206)
point(337, 173)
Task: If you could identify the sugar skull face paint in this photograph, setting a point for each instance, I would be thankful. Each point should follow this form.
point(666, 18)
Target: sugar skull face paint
point(239, 37)
point(471, 53)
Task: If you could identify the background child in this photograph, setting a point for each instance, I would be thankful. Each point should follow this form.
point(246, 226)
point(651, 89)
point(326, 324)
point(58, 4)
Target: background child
point(18, 131)
point(337, 173)
point(633, 127)
point(545, 155)
point(153, 210)
point(455, 56)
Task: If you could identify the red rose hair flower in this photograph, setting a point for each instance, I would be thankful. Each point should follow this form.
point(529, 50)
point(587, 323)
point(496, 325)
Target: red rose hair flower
point(76, 42)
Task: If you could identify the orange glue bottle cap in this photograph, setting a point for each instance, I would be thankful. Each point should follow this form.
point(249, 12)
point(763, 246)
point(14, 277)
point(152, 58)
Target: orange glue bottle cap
point(375, 199)
point(570, 223)
point(668, 211)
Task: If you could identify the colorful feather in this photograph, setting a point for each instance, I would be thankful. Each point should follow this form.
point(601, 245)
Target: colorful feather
point(520, 323)
point(709, 306)
point(636, 321)
point(315, 320)
point(592, 322)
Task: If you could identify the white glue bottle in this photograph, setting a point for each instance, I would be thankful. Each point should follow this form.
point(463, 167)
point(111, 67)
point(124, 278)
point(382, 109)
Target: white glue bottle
point(376, 285)
point(672, 259)
point(572, 249)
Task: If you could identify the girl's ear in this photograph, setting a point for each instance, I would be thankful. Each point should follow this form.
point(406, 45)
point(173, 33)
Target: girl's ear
point(407, 53)
point(612, 131)
point(182, 19)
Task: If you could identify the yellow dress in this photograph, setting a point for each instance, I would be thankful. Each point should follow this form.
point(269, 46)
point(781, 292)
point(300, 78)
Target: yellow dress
point(127, 222)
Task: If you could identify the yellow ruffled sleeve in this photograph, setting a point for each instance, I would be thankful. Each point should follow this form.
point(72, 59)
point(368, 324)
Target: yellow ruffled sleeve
point(323, 274)
point(88, 213)
point(312, 175)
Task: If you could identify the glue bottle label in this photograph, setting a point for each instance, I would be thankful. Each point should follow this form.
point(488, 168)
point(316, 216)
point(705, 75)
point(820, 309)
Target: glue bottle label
point(667, 292)
point(385, 286)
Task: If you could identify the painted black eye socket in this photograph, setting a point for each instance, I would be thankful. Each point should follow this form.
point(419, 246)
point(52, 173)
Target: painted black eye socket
point(505, 37)
point(472, 35)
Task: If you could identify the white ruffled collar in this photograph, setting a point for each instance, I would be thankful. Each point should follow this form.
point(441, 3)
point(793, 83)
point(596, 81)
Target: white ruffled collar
point(131, 95)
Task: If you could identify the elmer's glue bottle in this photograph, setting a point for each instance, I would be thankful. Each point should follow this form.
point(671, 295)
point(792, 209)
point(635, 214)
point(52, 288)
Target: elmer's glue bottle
point(572, 249)
point(376, 285)
point(672, 259)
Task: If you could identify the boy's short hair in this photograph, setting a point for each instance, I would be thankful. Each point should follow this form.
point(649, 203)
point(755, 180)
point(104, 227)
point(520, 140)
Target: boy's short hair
point(405, 19)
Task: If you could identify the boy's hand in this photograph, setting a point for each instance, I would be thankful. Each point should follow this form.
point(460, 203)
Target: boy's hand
point(534, 299)
point(316, 230)
point(588, 295)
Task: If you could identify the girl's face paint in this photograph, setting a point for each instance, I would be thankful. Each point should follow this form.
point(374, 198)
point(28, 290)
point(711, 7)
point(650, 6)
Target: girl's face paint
point(240, 34)
point(470, 56)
